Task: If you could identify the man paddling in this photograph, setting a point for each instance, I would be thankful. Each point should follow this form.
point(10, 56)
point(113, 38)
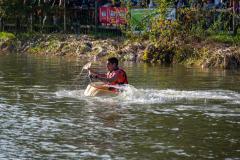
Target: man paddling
point(114, 76)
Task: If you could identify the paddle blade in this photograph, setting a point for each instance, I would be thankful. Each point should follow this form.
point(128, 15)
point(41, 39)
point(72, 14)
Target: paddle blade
point(87, 66)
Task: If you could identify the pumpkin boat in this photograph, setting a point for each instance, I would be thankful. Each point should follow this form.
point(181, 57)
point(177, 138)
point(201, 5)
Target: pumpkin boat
point(100, 89)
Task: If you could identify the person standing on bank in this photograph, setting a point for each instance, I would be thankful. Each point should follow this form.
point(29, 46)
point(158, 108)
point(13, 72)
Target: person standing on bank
point(114, 76)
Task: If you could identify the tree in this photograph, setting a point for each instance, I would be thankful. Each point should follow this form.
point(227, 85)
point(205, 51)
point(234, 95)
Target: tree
point(235, 5)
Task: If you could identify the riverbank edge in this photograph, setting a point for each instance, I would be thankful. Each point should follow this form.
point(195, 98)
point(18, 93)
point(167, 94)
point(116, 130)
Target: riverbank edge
point(202, 53)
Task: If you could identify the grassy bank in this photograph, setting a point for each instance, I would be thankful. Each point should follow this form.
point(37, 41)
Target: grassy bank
point(213, 51)
point(225, 38)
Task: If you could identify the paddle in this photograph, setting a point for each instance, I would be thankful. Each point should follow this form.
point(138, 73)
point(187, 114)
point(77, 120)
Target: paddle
point(85, 67)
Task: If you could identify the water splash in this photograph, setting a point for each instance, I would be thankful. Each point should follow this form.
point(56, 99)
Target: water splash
point(132, 95)
point(85, 67)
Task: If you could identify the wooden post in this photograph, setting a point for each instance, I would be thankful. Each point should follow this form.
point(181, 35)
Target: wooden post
point(31, 22)
point(235, 23)
point(176, 8)
point(31, 19)
point(0, 24)
point(233, 16)
point(96, 15)
point(64, 17)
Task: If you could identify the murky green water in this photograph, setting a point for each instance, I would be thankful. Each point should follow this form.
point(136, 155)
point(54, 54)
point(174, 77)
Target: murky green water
point(167, 113)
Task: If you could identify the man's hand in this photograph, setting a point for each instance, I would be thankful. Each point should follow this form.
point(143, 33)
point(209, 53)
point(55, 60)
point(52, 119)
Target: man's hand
point(93, 75)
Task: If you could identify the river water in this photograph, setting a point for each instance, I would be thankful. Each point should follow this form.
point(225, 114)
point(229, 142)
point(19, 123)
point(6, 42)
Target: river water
point(166, 113)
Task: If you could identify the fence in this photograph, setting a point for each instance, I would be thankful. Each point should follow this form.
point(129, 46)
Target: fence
point(72, 20)
point(92, 20)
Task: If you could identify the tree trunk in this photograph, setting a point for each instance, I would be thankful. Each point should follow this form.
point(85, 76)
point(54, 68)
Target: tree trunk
point(64, 17)
point(235, 24)
point(96, 15)
point(31, 23)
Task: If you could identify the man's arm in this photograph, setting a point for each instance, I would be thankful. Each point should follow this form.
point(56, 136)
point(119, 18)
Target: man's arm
point(105, 79)
point(96, 74)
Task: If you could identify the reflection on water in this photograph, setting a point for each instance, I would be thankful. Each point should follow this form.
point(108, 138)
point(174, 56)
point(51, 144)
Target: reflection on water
point(166, 113)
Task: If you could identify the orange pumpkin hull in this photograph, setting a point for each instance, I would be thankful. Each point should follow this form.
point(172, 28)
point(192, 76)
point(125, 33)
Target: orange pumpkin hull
point(99, 89)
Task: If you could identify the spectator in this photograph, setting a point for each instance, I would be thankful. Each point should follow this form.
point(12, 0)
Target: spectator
point(117, 3)
point(107, 3)
point(194, 3)
point(181, 3)
point(208, 5)
point(91, 3)
point(134, 2)
point(85, 4)
point(151, 4)
point(217, 2)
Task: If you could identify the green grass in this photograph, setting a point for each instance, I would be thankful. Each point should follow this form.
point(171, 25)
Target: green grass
point(27, 35)
point(225, 38)
point(6, 36)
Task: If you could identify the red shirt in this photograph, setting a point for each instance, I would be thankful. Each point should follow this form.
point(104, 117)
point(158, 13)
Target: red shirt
point(121, 77)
